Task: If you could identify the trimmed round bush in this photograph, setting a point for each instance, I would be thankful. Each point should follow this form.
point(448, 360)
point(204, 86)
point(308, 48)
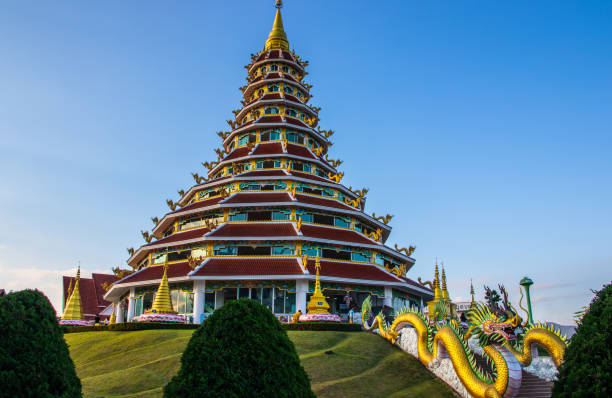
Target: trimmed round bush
point(586, 370)
point(34, 358)
point(242, 350)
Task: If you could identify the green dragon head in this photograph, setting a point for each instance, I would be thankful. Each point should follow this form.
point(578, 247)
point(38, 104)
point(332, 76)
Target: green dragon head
point(489, 327)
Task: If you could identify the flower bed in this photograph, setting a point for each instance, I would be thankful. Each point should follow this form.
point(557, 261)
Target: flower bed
point(75, 322)
point(154, 317)
point(319, 318)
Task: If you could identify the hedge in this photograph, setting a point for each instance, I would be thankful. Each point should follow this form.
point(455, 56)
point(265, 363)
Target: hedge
point(132, 326)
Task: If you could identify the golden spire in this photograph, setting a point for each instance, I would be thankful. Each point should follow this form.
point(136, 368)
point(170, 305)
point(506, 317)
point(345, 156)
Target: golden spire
point(472, 293)
point(444, 290)
point(73, 308)
point(68, 293)
point(163, 303)
point(317, 303)
point(437, 293)
point(277, 39)
point(113, 318)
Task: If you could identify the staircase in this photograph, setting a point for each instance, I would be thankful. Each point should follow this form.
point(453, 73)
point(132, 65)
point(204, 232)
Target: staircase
point(534, 387)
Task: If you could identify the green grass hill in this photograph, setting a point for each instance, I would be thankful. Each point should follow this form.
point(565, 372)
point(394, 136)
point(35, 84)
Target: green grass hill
point(139, 364)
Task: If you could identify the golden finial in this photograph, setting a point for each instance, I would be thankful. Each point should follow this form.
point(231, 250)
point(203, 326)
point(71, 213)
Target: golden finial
point(163, 303)
point(437, 292)
point(73, 308)
point(472, 292)
point(113, 318)
point(317, 303)
point(277, 39)
point(444, 289)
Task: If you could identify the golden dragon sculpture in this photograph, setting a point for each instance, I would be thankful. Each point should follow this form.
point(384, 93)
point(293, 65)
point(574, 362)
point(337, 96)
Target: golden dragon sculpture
point(335, 177)
point(437, 340)
point(385, 220)
point(407, 252)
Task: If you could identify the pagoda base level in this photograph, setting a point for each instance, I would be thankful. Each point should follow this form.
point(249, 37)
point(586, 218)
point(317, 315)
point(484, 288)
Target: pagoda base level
point(75, 322)
point(319, 318)
point(153, 317)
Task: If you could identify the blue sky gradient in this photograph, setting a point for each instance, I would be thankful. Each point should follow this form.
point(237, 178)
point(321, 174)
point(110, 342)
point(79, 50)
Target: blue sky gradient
point(483, 127)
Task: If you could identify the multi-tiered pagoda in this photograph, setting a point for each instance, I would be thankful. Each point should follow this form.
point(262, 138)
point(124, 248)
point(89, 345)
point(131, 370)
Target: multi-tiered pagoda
point(269, 205)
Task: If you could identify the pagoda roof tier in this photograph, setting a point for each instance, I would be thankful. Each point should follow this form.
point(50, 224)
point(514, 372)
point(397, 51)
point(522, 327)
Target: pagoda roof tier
point(275, 55)
point(266, 268)
point(269, 231)
point(217, 266)
point(296, 176)
point(276, 98)
point(268, 199)
point(271, 77)
point(264, 122)
point(271, 150)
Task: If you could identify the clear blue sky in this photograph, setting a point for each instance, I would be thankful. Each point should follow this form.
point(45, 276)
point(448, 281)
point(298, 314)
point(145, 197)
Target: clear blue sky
point(484, 127)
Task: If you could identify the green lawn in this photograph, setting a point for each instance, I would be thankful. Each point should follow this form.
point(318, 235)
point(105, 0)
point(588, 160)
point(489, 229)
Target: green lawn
point(138, 364)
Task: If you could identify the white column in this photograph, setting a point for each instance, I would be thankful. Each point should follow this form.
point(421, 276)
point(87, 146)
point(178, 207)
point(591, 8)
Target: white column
point(198, 300)
point(219, 300)
point(118, 312)
point(301, 290)
point(130, 314)
point(388, 296)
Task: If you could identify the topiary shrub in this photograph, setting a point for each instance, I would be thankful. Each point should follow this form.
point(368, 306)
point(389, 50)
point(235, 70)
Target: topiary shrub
point(34, 358)
point(242, 350)
point(586, 370)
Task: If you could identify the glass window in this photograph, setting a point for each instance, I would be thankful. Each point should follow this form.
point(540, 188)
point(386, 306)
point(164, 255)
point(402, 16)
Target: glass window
point(290, 303)
point(288, 89)
point(279, 301)
point(307, 168)
point(292, 137)
point(266, 297)
point(209, 303)
point(271, 135)
point(298, 94)
point(338, 255)
point(273, 88)
point(260, 92)
point(273, 67)
point(238, 217)
point(256, 294)
point(282, 251)
point(225, 251)
point(159, 258)
point(360, 257)
point(291, 112)
point(285, 69)
point(341, 222)
point(179, 255)
point(307, 217)
point(262, 69)
point(243, 292)
point(310, 251)
point(229, 294)
point(271, 110)
point(280, 216)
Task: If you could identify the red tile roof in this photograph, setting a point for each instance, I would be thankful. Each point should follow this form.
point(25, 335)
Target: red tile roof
point(289, 77)
point(270, 148)
point(254, 230)
point(287, 55)
point(200, 204)
point(299, 150)
point(237, 153)
point(297, 122)
point(313, 200)
point(309, 176)
point(343, 235)
point(271, 96)
point(274, 54)
point(91, 291)
point(248, 197)
point(351, 270)
point(180, 236)
point(156, 272)
point(292, 98)
point(273, 75)
point(250, 266)
point(270, 119)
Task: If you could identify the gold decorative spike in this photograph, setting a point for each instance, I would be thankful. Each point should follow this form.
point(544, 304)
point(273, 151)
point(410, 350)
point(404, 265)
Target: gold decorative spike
point(298, 225)
point(385, 220)
point(113, 318)
point(318, 151)
point(335, 177)
point(317, 303)
point(277, 39)
point(293, 191)
point(171, 204)
point(68, 293)
point(147, 237)
point(444, 289)
point(73, 308)
point(163, 303)
point(305, 261)
point(437, 291)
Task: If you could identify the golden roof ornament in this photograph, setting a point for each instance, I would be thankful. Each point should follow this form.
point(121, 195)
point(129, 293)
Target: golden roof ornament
point(317, 303)
point(444, 289)
point(277, 39)
point(113, 318)
point(163, 303)
point(74, 310)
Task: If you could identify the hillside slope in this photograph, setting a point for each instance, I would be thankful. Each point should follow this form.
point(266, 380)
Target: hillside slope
point(139, 364)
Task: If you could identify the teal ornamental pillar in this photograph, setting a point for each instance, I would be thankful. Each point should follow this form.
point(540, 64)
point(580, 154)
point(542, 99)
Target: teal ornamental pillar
point(526, 282)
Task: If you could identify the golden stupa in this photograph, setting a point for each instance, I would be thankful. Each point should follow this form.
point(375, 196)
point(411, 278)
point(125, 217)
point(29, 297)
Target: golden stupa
point(317, 303)
point(163, 303)
point(73, 309)
point(440, 295)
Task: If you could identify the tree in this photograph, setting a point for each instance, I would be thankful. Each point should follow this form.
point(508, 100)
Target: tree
point(586, 370)
point(242, 350)
point(34, 358)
